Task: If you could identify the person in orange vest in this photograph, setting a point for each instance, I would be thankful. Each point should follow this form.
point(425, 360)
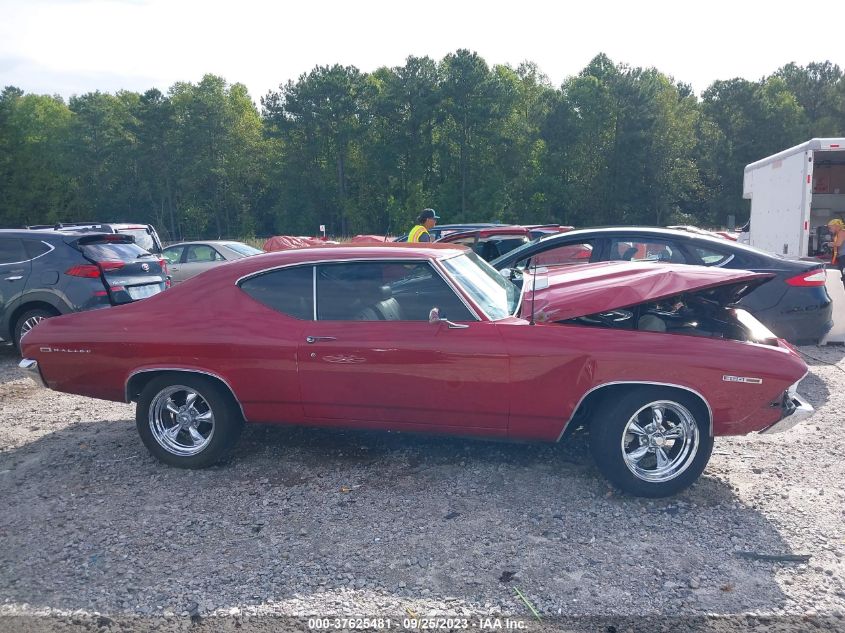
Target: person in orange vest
point(425, 222)
point(837, 258)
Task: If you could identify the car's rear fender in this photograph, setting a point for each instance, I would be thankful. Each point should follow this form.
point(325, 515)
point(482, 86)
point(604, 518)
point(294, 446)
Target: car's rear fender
point(614, 390)
point(140, 378)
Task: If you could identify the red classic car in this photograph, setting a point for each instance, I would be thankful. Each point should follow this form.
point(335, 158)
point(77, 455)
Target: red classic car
point(653, 358)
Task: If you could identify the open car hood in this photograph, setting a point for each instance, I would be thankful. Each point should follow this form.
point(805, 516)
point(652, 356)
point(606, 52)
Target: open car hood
point(567, 292)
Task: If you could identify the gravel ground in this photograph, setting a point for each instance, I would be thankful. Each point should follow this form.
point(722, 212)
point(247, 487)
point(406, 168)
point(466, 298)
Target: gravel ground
point(96, 535)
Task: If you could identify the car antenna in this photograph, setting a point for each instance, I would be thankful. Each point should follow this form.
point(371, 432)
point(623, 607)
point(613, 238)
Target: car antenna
point(533, 291)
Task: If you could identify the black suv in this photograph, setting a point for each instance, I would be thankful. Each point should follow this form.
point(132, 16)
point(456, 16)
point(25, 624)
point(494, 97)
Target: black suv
point(44, 274)
point(145, 234)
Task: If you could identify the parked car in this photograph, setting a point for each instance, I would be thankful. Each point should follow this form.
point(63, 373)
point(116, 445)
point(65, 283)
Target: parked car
point(45, 274)
point(795, 305)
point(187, 259)
point(145, 234)
point(358, 336)
point(493, 242)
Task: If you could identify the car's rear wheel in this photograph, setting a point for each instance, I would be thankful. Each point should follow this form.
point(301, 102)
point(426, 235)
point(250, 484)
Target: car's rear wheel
point(29, 320)
point(651, 441)
point(188, 421)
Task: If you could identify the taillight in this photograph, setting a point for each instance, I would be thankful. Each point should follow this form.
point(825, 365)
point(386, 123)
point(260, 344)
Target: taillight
point(92, 271)
point(815, 277)
point(86, 270)
point(163, 263)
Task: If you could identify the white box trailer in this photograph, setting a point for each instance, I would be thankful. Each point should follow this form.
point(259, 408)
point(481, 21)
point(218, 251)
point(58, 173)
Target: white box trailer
point(794, 194)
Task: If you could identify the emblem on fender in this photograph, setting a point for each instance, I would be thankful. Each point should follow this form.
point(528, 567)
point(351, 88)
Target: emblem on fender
point(64, 350)
point(750, 381)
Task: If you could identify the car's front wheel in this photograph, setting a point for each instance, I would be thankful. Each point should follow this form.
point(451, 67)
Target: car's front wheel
point(188, 421)
point(651, 441)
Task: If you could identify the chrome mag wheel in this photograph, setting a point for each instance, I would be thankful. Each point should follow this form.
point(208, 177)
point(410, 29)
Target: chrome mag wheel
point(660, 441)
point(30, 323)
point(181, 420)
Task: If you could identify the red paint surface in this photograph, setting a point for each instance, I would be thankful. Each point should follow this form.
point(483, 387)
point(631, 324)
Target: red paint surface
point(503, 378)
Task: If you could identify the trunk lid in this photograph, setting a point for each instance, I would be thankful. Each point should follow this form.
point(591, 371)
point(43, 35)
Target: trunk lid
point(567, 292)
point(128, 271)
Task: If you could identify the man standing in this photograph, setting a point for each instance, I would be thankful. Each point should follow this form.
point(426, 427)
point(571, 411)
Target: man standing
point(425, 222)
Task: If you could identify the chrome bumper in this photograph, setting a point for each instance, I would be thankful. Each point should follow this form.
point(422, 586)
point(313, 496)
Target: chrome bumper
point(795, 409)
point(31, 368)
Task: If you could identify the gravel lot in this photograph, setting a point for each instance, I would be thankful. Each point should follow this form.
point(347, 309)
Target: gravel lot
point(96, 535)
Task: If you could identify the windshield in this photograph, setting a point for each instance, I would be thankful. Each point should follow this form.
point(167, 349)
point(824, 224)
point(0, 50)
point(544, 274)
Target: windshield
point(242, 249)
point(494, 294)
point(142, 238)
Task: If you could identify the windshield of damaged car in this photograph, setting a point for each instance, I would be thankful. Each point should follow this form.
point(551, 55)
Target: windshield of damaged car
point(497, 296)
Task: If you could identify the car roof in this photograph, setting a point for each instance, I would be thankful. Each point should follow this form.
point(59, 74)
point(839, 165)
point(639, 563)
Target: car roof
point(653, 231)
point(248, 266)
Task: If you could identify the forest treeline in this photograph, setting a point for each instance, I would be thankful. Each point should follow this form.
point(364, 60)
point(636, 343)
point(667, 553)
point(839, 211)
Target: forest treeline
point(363, 152)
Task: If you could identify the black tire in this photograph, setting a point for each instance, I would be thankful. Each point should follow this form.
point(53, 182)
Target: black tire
point(27, 321)
point(629, 459)
point(157, 424)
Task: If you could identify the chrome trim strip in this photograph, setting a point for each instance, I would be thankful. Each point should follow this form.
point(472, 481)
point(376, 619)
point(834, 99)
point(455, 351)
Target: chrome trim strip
point(638, 382)
point(314, 291)
point(367, 259)
point(32, 259)
point(30, 366)
point(719, 265)
point(186, 370)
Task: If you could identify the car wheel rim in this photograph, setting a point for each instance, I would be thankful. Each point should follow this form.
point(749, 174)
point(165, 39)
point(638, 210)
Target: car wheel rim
point(30, 323)
point(660, 441)
point(181, 420)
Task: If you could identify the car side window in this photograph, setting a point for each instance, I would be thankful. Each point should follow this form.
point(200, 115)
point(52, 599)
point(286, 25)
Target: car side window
point(287, 290)
point(12, 251)
point(712, 257)
point(35, 248)
point(201, 253)
point(565, 254)
point(646, 249)
point(384, 291)
point(173, 254)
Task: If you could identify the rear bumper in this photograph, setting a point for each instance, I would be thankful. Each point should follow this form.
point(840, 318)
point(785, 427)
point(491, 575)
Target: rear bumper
point(30, 367)
point(794, 408)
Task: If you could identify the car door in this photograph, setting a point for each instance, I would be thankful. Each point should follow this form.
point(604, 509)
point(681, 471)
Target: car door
point(174, 255)
point(197, 259)
point(373, 357)
point(14, 272)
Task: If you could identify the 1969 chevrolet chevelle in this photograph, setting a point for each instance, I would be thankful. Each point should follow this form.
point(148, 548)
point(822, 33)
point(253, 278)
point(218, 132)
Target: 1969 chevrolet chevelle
point(652, 357)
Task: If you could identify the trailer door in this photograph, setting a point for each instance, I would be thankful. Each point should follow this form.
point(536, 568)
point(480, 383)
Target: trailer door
point(780, 205)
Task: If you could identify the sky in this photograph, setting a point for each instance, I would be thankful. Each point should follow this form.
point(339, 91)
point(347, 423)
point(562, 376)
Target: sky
point(71, 47)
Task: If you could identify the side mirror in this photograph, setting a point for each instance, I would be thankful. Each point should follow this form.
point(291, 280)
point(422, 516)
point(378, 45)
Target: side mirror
point(434, 318)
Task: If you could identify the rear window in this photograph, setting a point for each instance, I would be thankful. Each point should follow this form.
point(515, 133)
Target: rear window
point(142, 238)
point(288, 290)
point(114, 251)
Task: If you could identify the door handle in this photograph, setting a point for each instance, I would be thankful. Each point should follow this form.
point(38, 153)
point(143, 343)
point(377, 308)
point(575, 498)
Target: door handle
point(315, 339)
point(15, 278)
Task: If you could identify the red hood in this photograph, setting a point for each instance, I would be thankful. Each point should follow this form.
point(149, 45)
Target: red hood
point(566, 292)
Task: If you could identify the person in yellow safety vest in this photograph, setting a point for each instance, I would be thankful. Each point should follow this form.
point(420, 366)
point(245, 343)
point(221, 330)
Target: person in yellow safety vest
point(425, 222)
